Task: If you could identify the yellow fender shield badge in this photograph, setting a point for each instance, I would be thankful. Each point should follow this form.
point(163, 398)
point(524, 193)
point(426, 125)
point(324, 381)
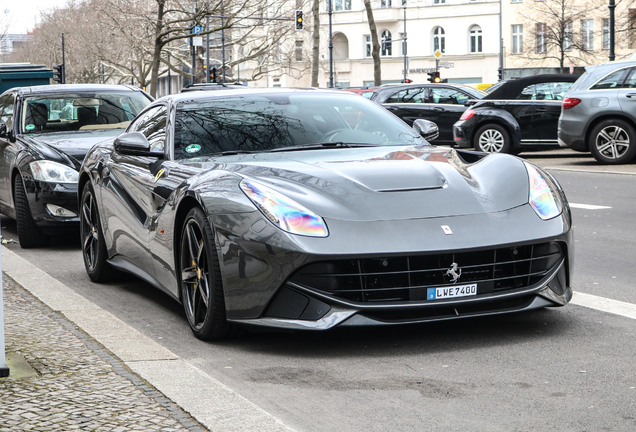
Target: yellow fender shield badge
point(159, 174)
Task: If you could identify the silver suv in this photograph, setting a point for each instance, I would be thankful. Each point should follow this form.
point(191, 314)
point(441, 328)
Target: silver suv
point(599, 113)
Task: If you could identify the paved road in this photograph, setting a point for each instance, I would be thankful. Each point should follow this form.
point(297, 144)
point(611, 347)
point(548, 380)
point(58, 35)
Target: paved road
point(560, 369)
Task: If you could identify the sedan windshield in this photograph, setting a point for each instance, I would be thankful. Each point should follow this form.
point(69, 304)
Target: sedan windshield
point(81, 111)
point(278, 120)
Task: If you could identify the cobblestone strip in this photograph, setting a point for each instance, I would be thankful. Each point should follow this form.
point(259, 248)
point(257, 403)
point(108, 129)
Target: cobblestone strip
point(81, 385)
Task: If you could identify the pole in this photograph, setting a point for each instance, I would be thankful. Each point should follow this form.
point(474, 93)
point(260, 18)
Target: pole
point(169, 76)
point(223, 42)
point(330, 47)
point(63, 62)
point(611, 6)
point(404, 39)
point(500, 44)
point(207, 49)
point(4, 369)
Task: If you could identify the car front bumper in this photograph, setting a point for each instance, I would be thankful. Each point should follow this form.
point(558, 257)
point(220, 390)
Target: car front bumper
point(45, 201)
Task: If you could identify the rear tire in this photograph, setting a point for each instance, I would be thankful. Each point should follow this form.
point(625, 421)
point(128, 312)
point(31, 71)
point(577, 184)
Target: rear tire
point(29, 234)
point(200, 279)
point(613, 142)
point(492, 138)
point(93, 245)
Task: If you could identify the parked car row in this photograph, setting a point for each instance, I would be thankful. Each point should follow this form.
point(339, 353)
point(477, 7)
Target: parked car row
point(289, 208)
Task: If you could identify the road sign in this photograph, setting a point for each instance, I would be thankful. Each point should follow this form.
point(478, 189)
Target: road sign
point(197, 29)
point(438, 53)
point(197, 40)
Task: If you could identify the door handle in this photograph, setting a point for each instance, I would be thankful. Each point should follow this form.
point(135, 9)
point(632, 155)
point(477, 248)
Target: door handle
point(439, 109)
point(540, 109)
point(631, 95)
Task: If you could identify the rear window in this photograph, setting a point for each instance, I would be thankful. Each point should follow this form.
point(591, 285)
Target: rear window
point(613, 80)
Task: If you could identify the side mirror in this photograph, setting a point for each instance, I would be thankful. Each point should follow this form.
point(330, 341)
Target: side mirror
point(3, 131)
point(134, 144)
point(427, 129)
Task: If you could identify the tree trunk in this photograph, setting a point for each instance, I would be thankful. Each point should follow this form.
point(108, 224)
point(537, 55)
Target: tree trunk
point(315, 52)
point(375, 52)
point(156, 55)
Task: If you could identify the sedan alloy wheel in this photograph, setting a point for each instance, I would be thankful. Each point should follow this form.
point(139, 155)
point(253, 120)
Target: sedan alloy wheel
point(93, 245)
point(613, 142)
point(492, 138)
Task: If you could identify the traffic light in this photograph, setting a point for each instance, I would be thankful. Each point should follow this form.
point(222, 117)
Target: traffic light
point(407, 81)
point(213, 75)
point(500, 74)
point(434, 77)
point(58, 75)
point(300, 20)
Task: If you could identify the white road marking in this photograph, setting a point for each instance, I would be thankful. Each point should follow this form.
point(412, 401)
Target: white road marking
point(589, 206)
point(603, 304)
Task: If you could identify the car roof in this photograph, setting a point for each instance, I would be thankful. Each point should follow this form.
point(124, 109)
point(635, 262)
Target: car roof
point(510, 89)
point(212, 86)
point(264, 91)
point(71, 88)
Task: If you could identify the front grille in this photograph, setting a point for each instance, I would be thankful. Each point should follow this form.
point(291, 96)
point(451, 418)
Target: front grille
point(406, 278)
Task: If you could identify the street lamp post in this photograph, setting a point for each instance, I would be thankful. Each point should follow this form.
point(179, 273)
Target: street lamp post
point(207, 49)
point(611, 6)
point(404, 39)
point(330, 46)
point(500, 44)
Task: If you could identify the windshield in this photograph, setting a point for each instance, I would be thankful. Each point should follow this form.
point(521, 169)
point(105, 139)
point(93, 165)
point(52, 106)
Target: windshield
point(81, 111)
point(278, 120)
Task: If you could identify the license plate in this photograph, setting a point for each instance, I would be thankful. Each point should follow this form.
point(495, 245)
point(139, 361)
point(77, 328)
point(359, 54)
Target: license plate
point(451, 292)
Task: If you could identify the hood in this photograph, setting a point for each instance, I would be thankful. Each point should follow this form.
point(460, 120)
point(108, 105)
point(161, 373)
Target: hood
point(387, 183)
point(68, 148)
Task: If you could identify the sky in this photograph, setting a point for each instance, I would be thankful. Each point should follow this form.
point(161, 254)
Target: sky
point(22, 15)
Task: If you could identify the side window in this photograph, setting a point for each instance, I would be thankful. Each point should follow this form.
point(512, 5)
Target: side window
point(414, 95)
point(630, 82)
point(448, 96)
point(527, 93)
point(613, 80)
point(6, 105)
point(153, 125)
point(552, 90)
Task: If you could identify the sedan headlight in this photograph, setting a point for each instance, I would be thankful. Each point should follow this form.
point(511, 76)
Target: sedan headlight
point(48, 171)
point(544, 196)
point(284, 212)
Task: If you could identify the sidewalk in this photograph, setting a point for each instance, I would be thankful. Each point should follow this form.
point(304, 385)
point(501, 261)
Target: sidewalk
point(74, 366)
point(61, 379)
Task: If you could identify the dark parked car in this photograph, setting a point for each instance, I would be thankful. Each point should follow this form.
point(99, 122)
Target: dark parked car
point(45, 132)
point(213, 86)
point(520, 114)
point(310, 209)
point(442, 104)
point(599, 113)
point(365, 91)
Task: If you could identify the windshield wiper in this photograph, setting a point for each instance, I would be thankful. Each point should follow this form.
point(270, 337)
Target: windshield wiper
point(314, 146)
point(233, 152)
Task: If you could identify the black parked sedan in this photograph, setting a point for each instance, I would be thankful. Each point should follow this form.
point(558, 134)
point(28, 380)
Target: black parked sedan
point(442, 104)
point(520, 114)
point(309, 209)
point(45, 132)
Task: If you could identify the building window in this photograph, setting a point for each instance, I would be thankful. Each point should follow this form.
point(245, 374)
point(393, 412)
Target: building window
point(385, 44)
point(516, 1)
point(606, 34)
point(340, 5)
point(587, 34)
point(439, 40)
point(299, 51)
point(631, 19)
point(368, 48)
point(475, 39)
point(403, 45)
point(439, 1)
point(517, 38)
point(540, 37)
point(385, 4)
point(568, 38)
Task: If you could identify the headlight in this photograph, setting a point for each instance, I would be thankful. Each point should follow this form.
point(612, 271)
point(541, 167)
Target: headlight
point(285, 213)
point(48, 171)
point(544, 197)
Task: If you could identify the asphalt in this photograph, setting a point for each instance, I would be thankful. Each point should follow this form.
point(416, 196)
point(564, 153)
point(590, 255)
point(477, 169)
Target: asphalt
point(74, 366)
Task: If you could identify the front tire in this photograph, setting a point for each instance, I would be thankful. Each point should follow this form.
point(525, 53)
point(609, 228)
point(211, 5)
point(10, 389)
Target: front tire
point(492, 138)
point(29, 234)
point(200, 279)
point(93, 244)
point(613, 142)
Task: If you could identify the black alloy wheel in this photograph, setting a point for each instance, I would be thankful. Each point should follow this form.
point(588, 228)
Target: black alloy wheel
point(93, 245)
point(613, 142)
point(492, 138)
point(29, 234)
point(200, 279)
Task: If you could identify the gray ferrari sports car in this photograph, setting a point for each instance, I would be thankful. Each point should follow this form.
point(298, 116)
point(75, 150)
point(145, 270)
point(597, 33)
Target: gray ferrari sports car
point(310, 209)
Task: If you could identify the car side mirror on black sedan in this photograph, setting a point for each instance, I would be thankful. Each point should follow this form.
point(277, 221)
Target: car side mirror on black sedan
point(134, 144)
point(426, 128)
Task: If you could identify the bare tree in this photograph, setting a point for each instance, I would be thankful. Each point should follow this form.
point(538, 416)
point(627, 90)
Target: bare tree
point(375, 52)
point(315, 52)
point(558, 31)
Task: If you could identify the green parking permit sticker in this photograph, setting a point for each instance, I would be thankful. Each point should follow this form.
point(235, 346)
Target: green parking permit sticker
point(29, 127)
point(193, 148)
